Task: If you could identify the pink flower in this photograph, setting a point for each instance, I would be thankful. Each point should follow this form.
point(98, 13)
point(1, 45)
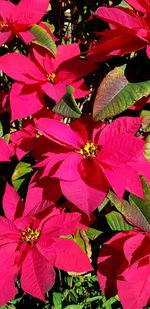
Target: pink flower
point(88, 158)
point(31, 246)
point(124, 268)
point(18, 19)
point(41, 73)
point(129, 31)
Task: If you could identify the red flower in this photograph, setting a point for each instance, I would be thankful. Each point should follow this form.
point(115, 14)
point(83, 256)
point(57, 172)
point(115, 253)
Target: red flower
point(124, 268)
point(41, 73)
point(30, 246)
point(88, 158)
point(128, 32)
point(18, 19)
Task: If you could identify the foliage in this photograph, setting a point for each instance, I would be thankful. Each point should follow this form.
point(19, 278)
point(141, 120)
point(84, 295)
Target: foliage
point(75, 154)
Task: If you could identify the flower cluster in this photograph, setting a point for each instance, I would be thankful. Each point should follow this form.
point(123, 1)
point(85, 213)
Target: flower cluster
point(71, 150)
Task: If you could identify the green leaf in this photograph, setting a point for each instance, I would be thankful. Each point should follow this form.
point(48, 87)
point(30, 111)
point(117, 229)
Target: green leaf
point(1, 129)
point(20, 171)
point(147, 148)
point(82, 240)
point(57, 300)
point(74, 307)
point(15, 301)
point(117, 222)
point(131, 212)
point(79, 239)
point(50, 26)
point(73, 296)
point(67, 106)
point(93, 233)
point(104, 203)
point(115, 94)
point(42, 38)
point(110, 303)
point(142, 204)
point(7, 137)
point(145, 120)
point(146, 188)
point(124, 4)
point(93, 299)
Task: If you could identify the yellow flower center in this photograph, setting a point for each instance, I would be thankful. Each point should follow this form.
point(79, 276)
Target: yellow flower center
point(51, 77)
point(89, 151)
point(38, 134)
point(3, 26)
point(30, 235)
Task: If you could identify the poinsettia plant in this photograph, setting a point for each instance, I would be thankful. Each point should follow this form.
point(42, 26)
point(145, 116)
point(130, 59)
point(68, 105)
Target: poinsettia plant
point(75, 154)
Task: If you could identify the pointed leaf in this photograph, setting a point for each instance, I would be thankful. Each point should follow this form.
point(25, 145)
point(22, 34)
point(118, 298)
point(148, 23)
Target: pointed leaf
point(117, 222)
point(131, 212)
point(74, 307)
point(67, 106)
point(82, 240)
point(142, 204)
point(93, 233)
point(145, 120)
point(1, 129)
point(43, 39)
point(147, 148)
point(20, 171)
point(115, 94)
point(57, 300)
point(124, 4)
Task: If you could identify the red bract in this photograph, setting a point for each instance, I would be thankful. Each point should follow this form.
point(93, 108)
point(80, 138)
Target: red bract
point(27, 138)
point(129, 31)
point(89, 158)
point(18, 19)
point(124, 267)
point(24, 140)
point(4, 102)
point(31, 246)
point(5, 151)
point(140, 5)
point(44, 74)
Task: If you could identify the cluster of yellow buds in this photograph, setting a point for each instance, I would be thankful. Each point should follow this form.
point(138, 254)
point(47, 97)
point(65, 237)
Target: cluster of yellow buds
point(30, 235)
point(89, 151)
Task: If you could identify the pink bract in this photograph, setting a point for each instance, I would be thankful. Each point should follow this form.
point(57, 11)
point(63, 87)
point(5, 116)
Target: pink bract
point(31, 246)
point(5, 151)
point(41, 74)
point(123, 268)
point(140, 5)
point(18, 19)
point(124, 21)
point(88, 158)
